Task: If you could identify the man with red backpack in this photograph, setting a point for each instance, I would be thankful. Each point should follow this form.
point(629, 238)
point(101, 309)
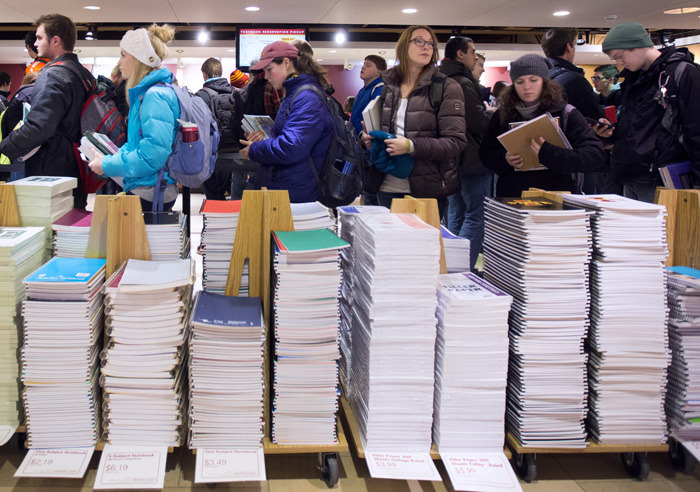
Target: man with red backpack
point(53, 123)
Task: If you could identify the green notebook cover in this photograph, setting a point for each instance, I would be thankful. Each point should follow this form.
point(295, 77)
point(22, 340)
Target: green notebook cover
point(303, 241)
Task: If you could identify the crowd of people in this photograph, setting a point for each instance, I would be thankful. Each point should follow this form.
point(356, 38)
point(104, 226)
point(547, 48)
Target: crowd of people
point(438, 126)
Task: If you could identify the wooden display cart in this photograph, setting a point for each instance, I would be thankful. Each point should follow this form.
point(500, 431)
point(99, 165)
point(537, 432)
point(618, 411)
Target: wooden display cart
point(633, 456)
point(261, 213)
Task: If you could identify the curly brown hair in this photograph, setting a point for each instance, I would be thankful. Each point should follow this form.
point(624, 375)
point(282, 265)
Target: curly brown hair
point(551, 98)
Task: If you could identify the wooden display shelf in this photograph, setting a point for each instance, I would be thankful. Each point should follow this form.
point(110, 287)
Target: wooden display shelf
point(349, 418)
point(592, 448)
point(271, 448)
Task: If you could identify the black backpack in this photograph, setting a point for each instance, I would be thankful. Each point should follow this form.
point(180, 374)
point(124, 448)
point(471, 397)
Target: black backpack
point(222, 107)
point(341, 177)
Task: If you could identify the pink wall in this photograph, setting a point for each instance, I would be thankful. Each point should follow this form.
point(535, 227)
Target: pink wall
point(17, 73)
point(346, 82)
point(493, 75)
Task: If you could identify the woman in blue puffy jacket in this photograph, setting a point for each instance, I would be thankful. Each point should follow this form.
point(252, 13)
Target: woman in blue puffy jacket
point(302, 130)
point(153, 116)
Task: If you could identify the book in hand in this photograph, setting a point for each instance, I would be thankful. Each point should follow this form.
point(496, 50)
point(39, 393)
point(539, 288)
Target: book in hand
point(101, 143)
point(678, 176)
point(258, 122)
point(517, 140)
point(371, 115)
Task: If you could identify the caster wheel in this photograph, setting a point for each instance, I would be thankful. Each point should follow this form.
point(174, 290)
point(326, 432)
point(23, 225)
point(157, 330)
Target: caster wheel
point(329, 469)
point(681, 459)
point(636, 464)
point(525, 466)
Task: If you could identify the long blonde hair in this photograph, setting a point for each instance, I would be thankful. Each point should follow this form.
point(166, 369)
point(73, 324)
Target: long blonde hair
point(159, 36)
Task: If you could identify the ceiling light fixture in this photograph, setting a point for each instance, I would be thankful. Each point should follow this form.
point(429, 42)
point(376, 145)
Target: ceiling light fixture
point(561, 13)
point(409, 11)
point(580, 41)
point(340, 37)
point(203, 36)
point(252, 9)
point(92, 7)
point(332, 51)
point(684, 10)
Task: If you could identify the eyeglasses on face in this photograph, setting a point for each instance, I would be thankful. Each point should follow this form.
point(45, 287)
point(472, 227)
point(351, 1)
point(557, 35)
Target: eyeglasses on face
point(420, 42)
point(618, 57)
point(596, 78)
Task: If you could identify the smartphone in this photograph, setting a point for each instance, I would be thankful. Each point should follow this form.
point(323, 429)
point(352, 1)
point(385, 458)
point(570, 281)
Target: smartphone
point(596, 122)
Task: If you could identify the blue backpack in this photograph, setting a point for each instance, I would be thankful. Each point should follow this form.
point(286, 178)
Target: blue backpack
point(190, 163)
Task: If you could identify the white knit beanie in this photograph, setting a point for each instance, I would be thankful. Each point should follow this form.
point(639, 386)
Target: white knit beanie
point(138, 44)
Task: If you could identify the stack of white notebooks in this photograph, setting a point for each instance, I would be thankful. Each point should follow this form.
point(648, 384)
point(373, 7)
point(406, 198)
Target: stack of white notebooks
point(167, 240)
point(143, 363)
point(306, 350)
point(456, 251)
point(21, 252)
point(397, 263)
point(683, 398)
point(311, 215)
point(347, 220)
point(628, 340)
point(471, 364)
point(218, 234)
point(72, 232)
point(44, 199)
point(538, 251)
point(63, 321)
point(227, 381)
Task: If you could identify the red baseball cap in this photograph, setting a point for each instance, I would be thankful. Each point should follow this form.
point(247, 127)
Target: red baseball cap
point(274, 50)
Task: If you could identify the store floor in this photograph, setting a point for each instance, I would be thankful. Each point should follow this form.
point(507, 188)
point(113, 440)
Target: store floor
point(298, 473)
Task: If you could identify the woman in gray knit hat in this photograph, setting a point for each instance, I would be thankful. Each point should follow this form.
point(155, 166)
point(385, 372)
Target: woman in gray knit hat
point(532, 94)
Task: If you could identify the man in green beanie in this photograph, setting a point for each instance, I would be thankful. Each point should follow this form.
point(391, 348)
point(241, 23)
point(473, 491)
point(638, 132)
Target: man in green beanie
point(658, 120)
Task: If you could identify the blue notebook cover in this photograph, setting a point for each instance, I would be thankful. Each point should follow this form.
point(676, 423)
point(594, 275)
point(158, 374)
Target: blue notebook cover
point(683, 270)
point(67, 270)
point(218, 309)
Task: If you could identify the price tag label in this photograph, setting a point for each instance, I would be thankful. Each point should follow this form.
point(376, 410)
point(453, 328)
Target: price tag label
point(692, 446)
point(58, 463)
point(230, 465)
point(402, 466)
point(129, 467)
point(485, 472)
point(6, 432)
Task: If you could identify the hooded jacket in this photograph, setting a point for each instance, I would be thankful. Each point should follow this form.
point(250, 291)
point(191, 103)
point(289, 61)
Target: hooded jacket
point(437, 138)
point(301, 130)
point(579, 92)
point(475, 115)
point(587, 155)
point(53, 122)
point(642, 144)
point(151, 133)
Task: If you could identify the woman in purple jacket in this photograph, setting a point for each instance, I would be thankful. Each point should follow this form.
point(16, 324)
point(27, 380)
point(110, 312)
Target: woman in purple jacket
point(302, 130)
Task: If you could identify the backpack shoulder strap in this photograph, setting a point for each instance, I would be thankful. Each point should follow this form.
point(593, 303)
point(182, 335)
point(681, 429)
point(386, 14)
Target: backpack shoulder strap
point(565, 116)
point(437, 90)
point(312, 88)
point(556, 72)
point(379, 86)
point(88, 85)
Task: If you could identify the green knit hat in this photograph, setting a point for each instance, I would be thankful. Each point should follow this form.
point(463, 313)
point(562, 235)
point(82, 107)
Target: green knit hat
point(627, 36)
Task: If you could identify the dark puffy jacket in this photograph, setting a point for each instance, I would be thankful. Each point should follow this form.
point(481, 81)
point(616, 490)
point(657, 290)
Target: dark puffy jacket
point(219, 85)
point(15, 110)
point(579, 92)
point(438, 138)
point(642, 145)
point(587, 156)
point(53, 122)
point(249, 100)
point(476, 116)
point(301, 130)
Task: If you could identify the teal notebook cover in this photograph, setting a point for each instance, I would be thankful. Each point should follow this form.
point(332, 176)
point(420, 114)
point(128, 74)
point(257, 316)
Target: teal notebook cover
point(683, 270)
point(313, 240)
point(67, 270)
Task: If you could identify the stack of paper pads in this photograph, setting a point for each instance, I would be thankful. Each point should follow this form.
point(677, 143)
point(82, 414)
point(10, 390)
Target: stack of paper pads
point(628, 339)
point(227, 378)
point(218, 234)
point(397, 262)
point(147, 309)
point(306, 333)
point(60, 358)
point(471, 364)
point(682, 402)
point(538, 251)
point(21, 252)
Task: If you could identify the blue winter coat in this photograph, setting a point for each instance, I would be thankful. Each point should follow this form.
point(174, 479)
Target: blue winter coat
point(152, 126)
point(364, 96)
point(301, 130)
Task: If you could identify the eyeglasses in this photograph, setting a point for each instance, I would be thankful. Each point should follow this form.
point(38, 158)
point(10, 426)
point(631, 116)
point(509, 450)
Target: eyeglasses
point(618, 57)
point(420, 42)
point(596, 78)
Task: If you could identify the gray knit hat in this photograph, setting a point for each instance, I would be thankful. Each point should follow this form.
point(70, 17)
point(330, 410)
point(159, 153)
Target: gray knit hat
point(627, 36)
point(529, 65)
